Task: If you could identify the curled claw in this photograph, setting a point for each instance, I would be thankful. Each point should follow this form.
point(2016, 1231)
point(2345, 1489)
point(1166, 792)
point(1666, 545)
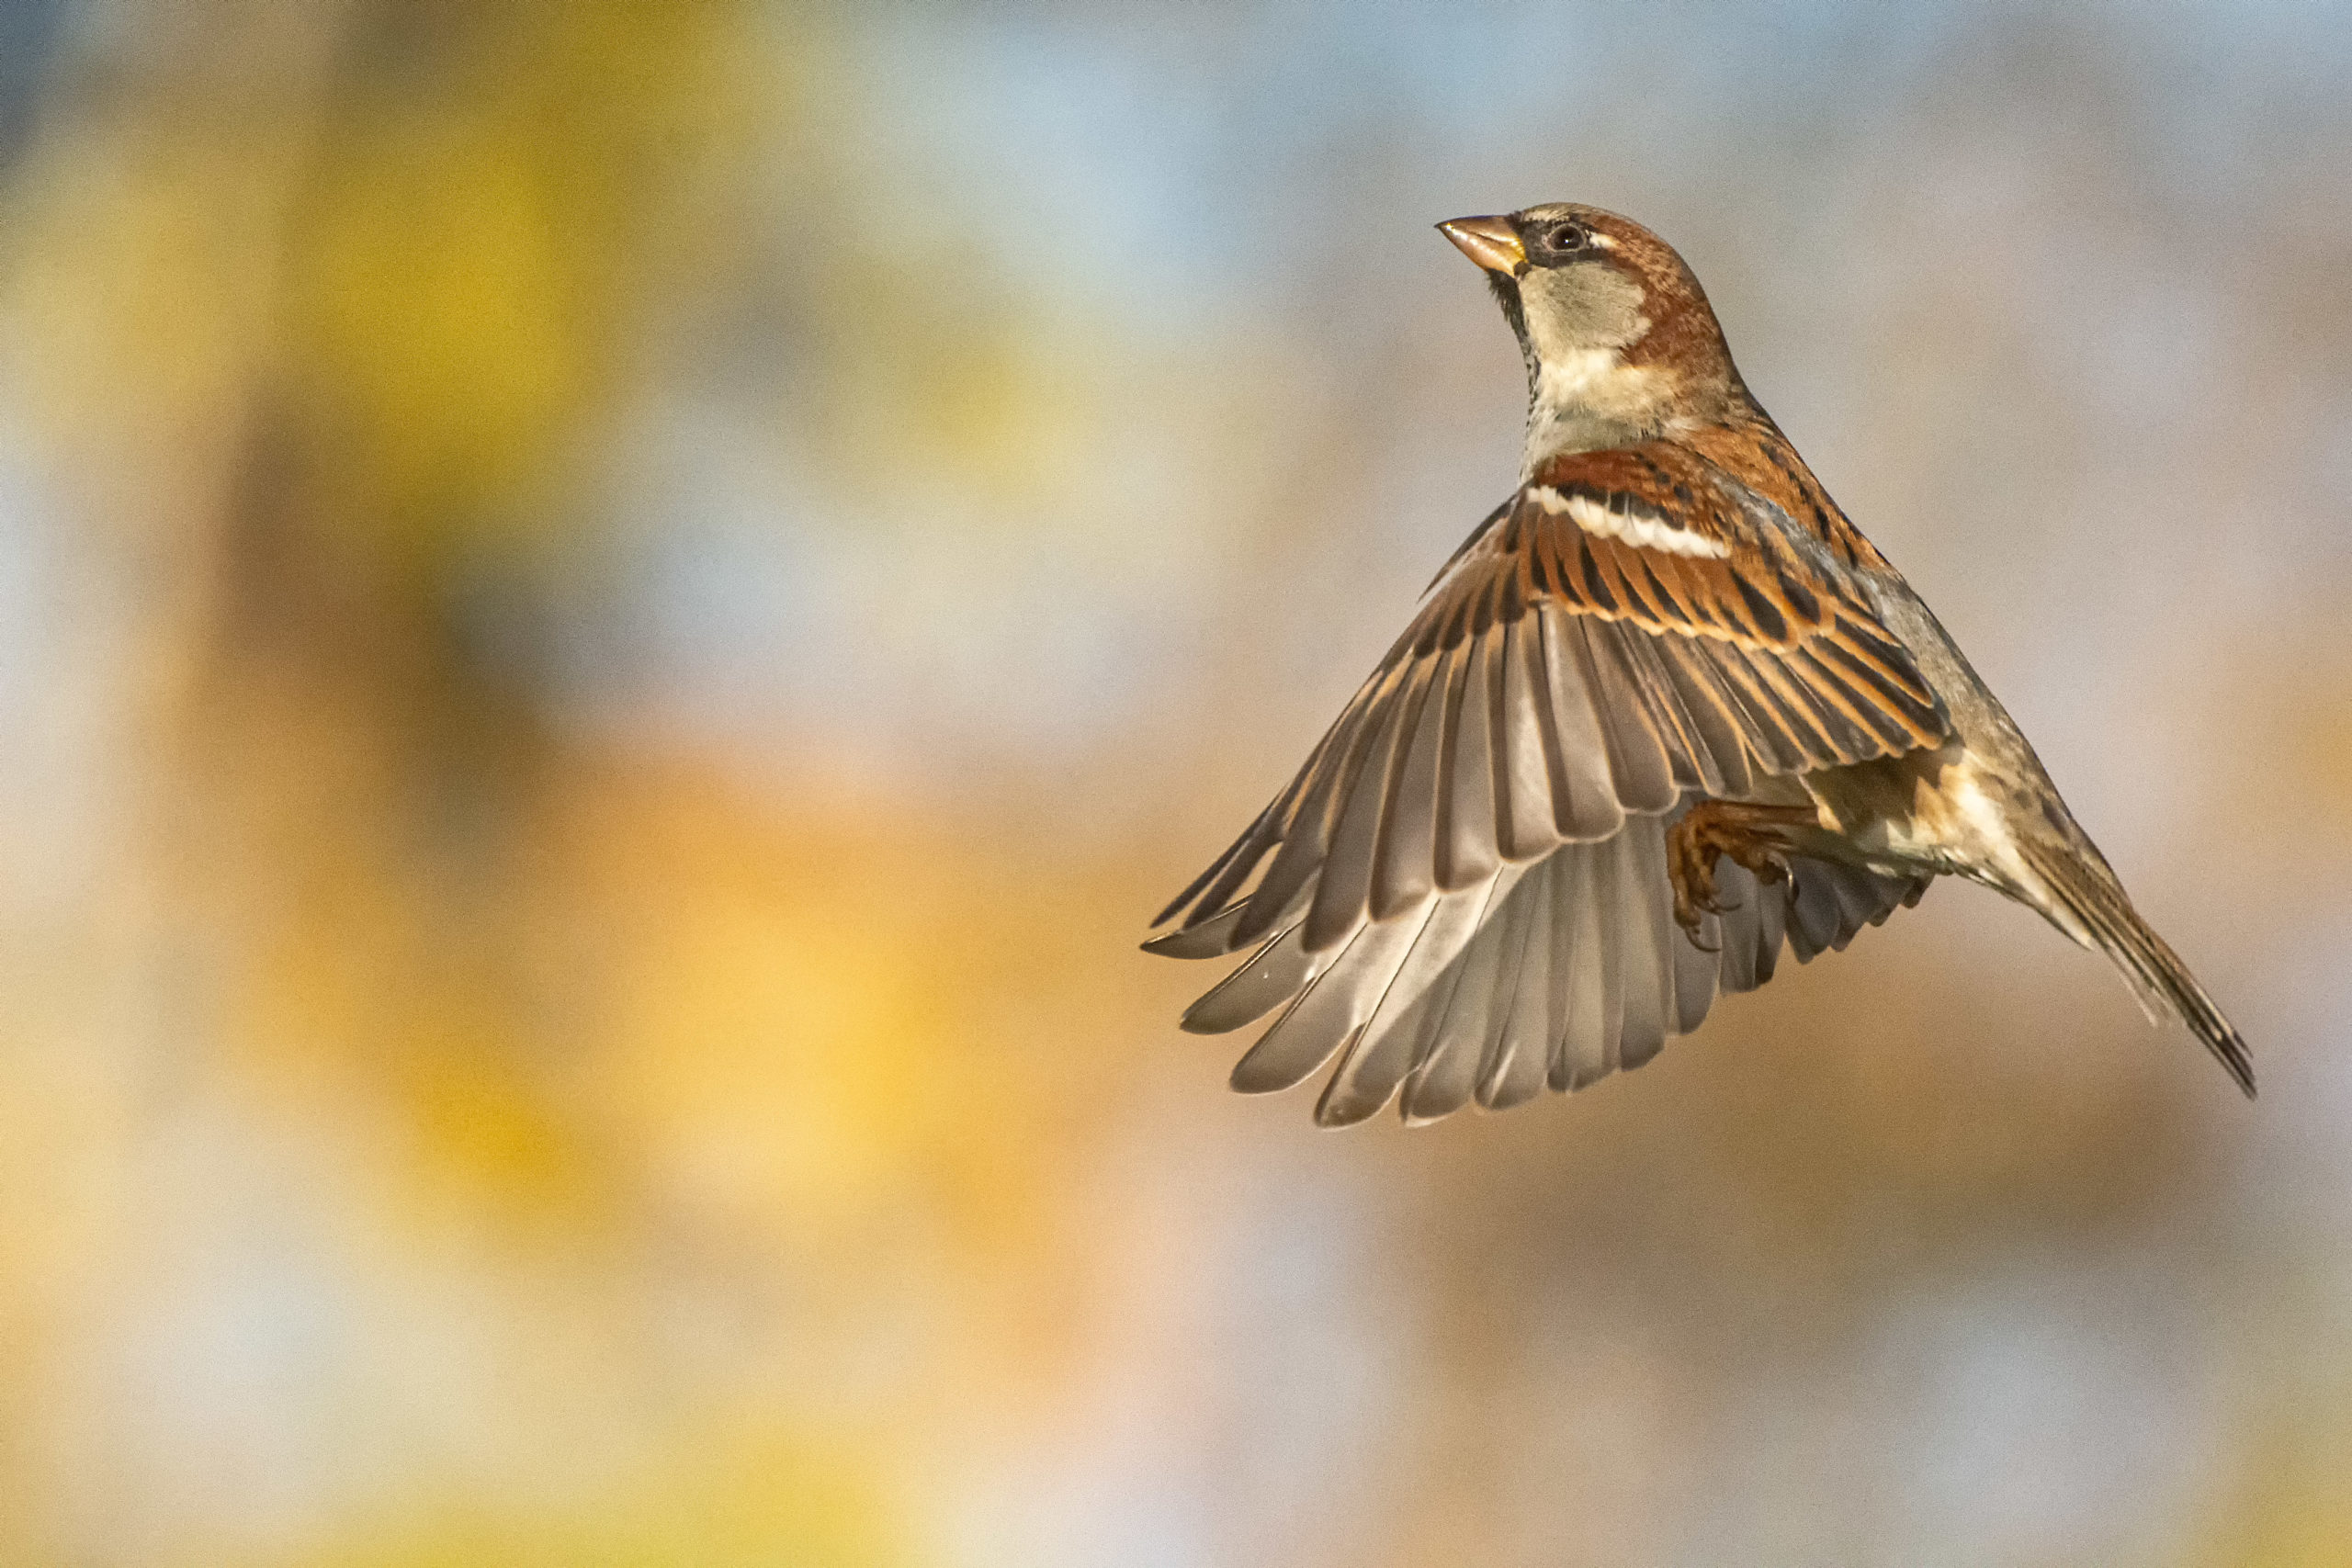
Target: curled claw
point(1691, 868)
point(1747, 832)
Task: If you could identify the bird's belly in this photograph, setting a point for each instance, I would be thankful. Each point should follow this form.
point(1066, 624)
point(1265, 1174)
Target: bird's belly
point(1935, 811)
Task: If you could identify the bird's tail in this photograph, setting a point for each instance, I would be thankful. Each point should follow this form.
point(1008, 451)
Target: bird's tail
point(2090, 906)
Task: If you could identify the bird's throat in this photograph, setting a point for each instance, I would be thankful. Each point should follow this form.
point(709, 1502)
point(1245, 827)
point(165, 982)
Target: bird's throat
point(1590, 399)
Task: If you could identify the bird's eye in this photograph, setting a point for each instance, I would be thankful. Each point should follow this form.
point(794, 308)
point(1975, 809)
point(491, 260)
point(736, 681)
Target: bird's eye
point(1566, 237)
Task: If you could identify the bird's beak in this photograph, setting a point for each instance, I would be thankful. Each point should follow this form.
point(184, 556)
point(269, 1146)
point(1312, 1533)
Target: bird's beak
point(1492, 243)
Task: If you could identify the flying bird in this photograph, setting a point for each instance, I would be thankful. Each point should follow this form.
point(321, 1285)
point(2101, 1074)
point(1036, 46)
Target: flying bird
point(1665, 710)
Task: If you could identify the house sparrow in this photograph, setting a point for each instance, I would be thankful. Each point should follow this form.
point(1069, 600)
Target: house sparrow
point(1665, 708)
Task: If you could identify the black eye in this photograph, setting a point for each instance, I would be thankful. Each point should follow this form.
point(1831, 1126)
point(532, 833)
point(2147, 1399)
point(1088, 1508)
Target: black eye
point(1565, 238)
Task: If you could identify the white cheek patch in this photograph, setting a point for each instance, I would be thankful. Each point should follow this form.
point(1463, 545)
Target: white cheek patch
point(1644, 531)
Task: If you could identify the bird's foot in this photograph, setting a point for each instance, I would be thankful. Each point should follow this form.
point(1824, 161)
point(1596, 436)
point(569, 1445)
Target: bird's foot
point(1749, 834)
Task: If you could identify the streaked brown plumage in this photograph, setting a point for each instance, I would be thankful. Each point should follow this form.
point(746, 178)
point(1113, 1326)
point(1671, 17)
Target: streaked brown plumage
point(1663, 710)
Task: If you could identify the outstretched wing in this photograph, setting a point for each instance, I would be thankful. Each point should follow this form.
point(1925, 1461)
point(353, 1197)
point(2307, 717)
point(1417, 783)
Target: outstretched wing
point(1631, 630)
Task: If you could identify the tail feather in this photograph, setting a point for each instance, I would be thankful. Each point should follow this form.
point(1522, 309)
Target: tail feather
point(2093, 910)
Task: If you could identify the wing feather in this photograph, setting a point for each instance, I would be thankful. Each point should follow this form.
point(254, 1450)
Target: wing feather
point(1526, 809)
point(1405, 859)
point(1593, 809)
point(1467, 852)
point(1342, 882)
point(1275, 973)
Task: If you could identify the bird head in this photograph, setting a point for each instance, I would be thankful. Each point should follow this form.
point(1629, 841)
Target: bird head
point(1619, 342)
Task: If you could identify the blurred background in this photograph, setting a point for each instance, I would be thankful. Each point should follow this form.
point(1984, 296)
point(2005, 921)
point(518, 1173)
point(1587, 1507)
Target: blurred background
point(613, 617)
